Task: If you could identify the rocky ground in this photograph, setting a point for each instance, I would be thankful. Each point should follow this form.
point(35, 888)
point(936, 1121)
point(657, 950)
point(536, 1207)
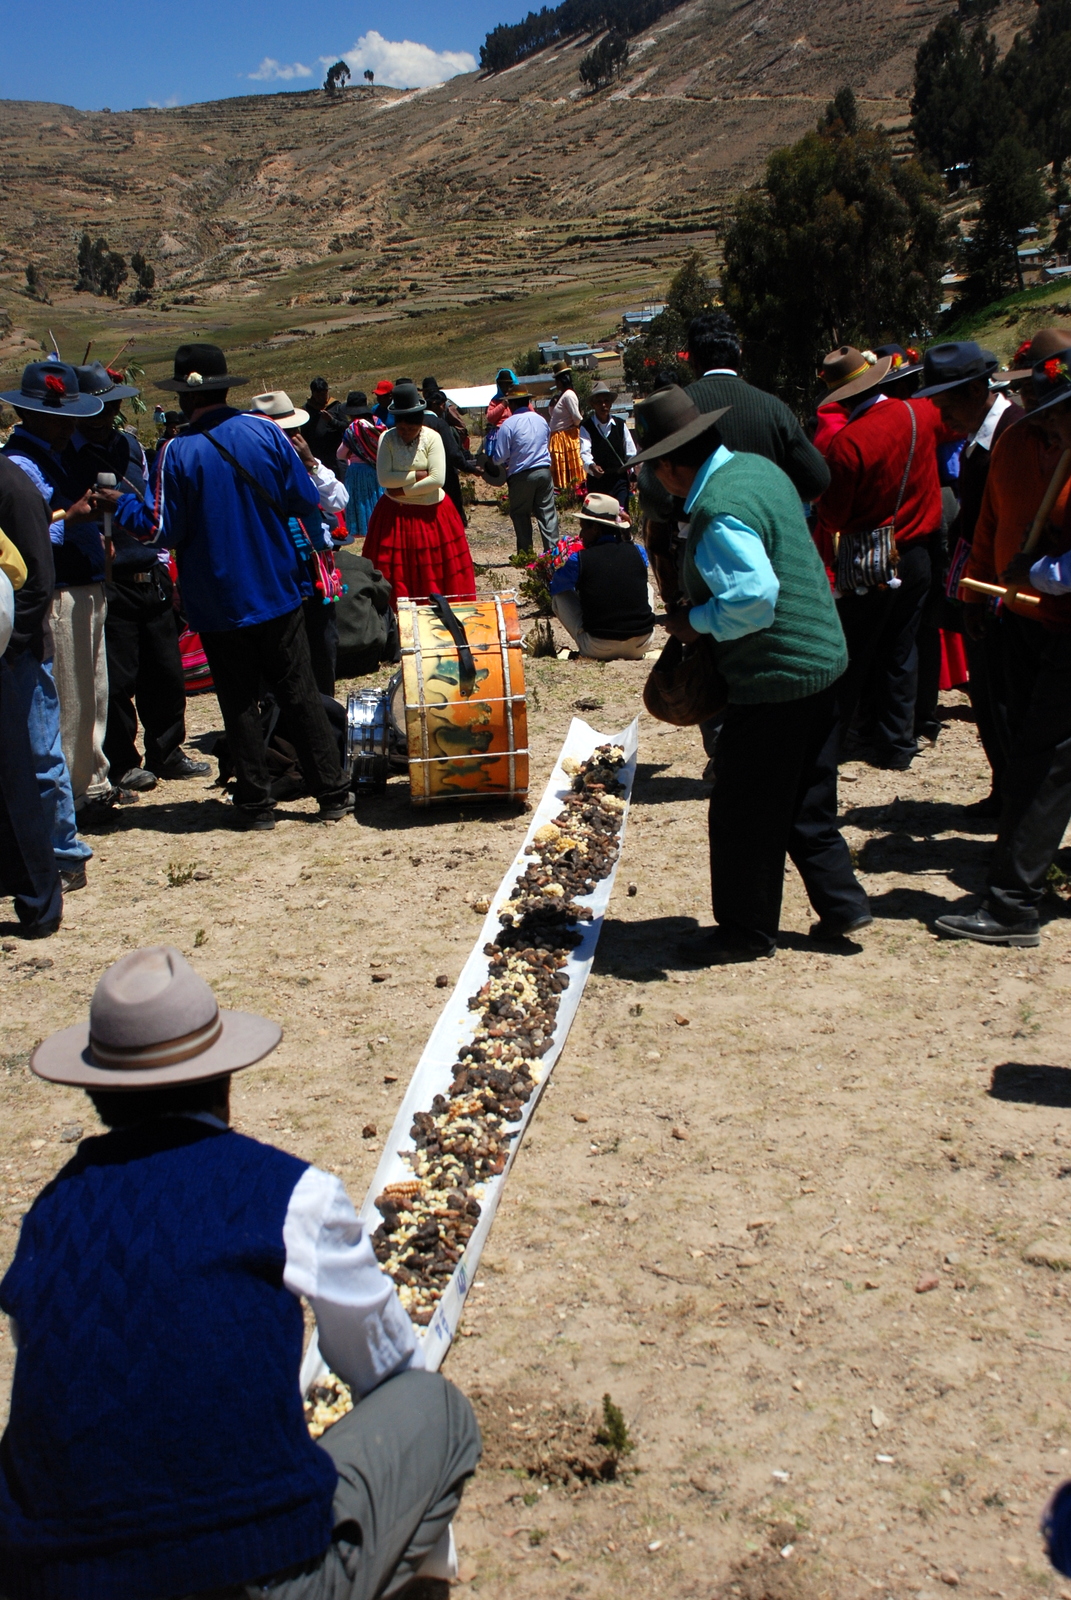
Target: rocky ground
point(804, 1221)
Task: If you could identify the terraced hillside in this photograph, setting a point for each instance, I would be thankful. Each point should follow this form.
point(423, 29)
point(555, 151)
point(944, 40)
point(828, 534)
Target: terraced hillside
point(457, 201)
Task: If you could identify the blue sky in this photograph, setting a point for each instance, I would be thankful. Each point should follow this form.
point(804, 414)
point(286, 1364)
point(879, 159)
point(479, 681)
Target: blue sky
point(136, 53)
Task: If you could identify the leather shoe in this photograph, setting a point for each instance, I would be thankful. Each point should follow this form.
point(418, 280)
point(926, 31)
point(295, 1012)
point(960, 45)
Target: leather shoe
point(727, 943)
point(984, 928)
point(41, 930)
point(181, 766)
point(254, 821)
point(335, 810)
point(989, 807)
point(828, 928)
point(138, 778)
point(72, 878)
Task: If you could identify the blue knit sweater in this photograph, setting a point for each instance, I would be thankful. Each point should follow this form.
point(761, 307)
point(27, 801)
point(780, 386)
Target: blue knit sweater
point(156, 1443)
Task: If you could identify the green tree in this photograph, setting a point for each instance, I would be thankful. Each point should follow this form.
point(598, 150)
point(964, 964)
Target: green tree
point(100, 270)
point(1013, 197)
point(661, 349)
point(840, 243)
point(337, 77)
point(603, 64)
point(960, 106)
point(1037, 75)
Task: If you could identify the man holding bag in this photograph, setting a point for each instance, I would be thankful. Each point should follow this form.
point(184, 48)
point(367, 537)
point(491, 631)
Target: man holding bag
point(758, 590)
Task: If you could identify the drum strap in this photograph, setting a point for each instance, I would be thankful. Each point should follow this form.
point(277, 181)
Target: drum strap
point(466, 667)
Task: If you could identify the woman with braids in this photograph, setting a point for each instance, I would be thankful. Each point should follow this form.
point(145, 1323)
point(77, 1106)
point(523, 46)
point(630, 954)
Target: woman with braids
point(357, 452)
point(415, 536)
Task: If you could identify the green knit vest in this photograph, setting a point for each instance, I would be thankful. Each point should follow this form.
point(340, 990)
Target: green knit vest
point(803, 649)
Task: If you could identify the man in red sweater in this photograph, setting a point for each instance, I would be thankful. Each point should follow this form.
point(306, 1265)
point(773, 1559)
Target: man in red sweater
point(883, 469)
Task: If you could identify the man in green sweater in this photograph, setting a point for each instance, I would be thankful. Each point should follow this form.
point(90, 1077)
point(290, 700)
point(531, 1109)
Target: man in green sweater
point(755, 584)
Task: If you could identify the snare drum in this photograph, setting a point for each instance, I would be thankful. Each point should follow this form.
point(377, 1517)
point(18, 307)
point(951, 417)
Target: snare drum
point(465, 715)
point(368, 739)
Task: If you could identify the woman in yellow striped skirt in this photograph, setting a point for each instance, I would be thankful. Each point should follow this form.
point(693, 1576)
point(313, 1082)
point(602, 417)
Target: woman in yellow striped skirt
point(564, 419)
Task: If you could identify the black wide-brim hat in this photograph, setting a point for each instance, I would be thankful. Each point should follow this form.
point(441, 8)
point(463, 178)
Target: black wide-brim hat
point(200, 367)
point(51, 387)
point(96, 379)
point(1051, 383)
point(666, 420)
point(946, 366)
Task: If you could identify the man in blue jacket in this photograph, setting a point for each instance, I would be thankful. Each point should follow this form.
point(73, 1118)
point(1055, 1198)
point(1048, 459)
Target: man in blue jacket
point(224, 492)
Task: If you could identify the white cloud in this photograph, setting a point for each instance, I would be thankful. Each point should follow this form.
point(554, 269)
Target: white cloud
point(270, 71)
point(168, 104)
point(403, 64)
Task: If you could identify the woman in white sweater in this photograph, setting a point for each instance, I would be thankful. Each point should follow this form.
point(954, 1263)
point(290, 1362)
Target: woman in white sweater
point(415, 536)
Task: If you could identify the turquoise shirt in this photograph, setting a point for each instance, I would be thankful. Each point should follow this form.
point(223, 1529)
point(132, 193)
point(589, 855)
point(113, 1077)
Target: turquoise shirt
point(734, 566)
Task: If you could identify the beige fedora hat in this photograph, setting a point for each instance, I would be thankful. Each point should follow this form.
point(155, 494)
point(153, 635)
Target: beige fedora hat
point(153, 1023)
point(277, 405)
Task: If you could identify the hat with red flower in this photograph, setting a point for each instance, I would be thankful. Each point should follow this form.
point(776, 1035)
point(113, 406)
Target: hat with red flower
point(1052, 382)
point(52, 387)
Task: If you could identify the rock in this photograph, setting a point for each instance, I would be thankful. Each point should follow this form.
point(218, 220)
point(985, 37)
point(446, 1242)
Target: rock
point(466, 1571)
point(632, 1216)
point(560, 1555)
point(929, 1281)
point(636, 1010)
point(797, 1384)
point(682, 1022)
point(390, 1077)
point(1049, 1253)
point(201, 876)
point(679, 1133)
point(655, 1544)
point(878, 1419)
point(37, 1144)
point(872, 1283)
point(748, 1261)
point(654, 1055)
point(588, 702)
point(380, 977)
point(580, 1116)
point(633, 891)
point(703, 1482)
point(779, 1476)
point(786, 1551)
point(442, 981)
point(759, 1222)
point(950, 1577)
point(71, 1133)
point(369, 1131)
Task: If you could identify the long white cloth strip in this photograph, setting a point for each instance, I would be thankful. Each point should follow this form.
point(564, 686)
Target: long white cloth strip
point(456, 1026)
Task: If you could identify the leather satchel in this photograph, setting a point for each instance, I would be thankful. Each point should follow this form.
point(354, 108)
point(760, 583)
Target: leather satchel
point(684, 685)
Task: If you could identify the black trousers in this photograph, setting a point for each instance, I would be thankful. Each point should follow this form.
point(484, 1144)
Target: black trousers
point(321, 626)
point(985, 661)
point(144, 671)
point(28, 869)
point(881, 629)
point(1037, 792)
point(275, 653)
point(934, 610)
point(775, 794)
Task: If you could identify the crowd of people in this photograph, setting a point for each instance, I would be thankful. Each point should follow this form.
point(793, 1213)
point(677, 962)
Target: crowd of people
point(819, 585)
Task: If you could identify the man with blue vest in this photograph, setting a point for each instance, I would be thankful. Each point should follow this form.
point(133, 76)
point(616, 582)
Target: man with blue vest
point(141, 629)
point(755, 586)
point(225, 491)
point(156, 1444)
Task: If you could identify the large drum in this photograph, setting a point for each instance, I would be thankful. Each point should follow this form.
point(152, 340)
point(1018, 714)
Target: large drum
point(465, 716)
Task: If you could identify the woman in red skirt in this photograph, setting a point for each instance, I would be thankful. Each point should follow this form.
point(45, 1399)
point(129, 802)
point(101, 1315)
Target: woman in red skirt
point(415, 536)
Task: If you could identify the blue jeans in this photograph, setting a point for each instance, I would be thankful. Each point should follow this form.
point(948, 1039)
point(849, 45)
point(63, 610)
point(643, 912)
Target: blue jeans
point(37, 692)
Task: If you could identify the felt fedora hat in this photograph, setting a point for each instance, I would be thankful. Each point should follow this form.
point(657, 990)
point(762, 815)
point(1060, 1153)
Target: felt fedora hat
point(854, 372)
point(1051, 382)
point(52, 387)
point(905, 362)
point(107, 385)
point(519, 397)
point(603, 510)
point(666, 420)
point(277, 405)
point(200, 366)
point(946, 366)
point(356, 404)
point(1045, 343)
point(407, 403)
point(598, 389)
point(561, 367)
point(153, 1023)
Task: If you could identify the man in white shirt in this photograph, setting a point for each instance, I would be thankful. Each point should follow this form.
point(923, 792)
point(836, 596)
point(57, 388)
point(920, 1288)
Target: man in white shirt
point(522, 453)
point(157, 1286)
point(606, 447)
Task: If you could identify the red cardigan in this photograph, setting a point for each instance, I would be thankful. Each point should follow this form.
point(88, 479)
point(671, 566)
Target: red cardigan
point(866, 461)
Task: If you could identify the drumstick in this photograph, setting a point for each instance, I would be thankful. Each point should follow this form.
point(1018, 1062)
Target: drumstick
point(996, 588)
point(1059, 478)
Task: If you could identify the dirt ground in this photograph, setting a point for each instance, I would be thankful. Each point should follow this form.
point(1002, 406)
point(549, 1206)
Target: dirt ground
point(733, 1190)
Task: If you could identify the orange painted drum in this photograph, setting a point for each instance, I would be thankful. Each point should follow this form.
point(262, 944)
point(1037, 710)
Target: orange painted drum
point(464, 746)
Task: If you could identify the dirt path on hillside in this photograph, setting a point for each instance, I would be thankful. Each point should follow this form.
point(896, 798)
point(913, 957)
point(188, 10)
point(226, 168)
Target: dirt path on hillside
point(806, 1423)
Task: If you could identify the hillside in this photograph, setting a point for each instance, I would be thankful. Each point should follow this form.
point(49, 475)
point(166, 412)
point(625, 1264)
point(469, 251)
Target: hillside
point(468, 218)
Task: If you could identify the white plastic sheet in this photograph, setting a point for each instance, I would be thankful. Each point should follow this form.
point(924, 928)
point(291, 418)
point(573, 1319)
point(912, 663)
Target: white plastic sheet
point(457, 1024)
